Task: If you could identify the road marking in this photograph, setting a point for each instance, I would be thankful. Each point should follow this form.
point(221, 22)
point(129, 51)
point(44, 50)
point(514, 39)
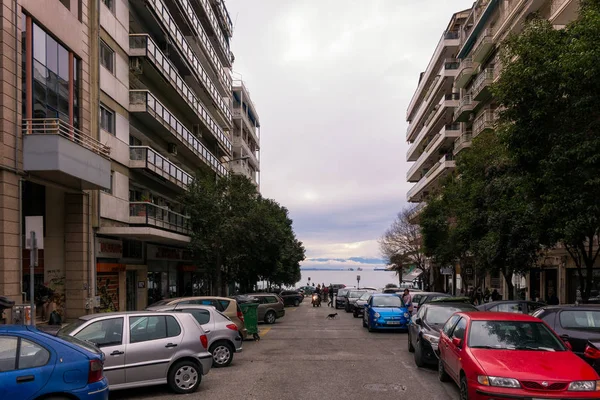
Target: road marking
point(264, 331)
point(291, 309)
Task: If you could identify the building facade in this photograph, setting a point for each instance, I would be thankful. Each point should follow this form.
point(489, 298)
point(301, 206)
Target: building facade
point(110, 108)
point(453, 104)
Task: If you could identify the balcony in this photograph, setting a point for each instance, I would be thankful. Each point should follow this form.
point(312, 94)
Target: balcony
point(148, 214)
point(207, 48)
point(465, 108)
point(466, 70)
point(463, 142)
point(484, 122)
point(483, 46)
point(147, 159)
point(442, 140)
point(159, 118)
point(481, 87)
point(223, 15)
point(142, 45)
point(563, 11)
point(151, 11)
point(219, 38)
point(242, 144)
point(59, 152)
point(241, 115)
point(431, 179)
point(242, 168)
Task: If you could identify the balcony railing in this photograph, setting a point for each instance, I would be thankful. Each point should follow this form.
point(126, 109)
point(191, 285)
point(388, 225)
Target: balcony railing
point(215, 26)
point(466, 104)
point(484, 79)
point(144, 213)
point(239, 142)
point(55, 126)
point(169, 23)
point(483, 122)
point(224, 15)
point(158, 164)
point(224, 77)
point(160, 112)
point(462, 142)
point(556, 5)
point(481, 48)
point(241, 114)
point(169, 71)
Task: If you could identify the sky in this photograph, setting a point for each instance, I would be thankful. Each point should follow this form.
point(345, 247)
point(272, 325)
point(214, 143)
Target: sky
point(331, 81)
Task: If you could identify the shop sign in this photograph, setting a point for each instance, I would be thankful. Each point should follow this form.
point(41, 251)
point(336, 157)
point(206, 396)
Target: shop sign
point(109, 248)
point(167, 253)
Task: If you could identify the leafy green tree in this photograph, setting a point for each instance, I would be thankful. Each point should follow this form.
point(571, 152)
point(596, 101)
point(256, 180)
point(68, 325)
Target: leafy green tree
point(551, 128)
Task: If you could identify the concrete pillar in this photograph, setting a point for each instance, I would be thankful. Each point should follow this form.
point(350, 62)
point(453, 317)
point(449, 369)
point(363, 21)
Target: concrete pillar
point(76, 254)
point(54, 244)
point(10, 279)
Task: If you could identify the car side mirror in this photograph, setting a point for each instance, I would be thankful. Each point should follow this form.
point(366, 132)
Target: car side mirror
point(457, 341)
point(418, 321)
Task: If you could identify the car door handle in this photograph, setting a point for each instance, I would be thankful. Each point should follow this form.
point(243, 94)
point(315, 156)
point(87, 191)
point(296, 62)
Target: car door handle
point(171, 345)
point(25, 378)
point(207, 331)
point(117, 353)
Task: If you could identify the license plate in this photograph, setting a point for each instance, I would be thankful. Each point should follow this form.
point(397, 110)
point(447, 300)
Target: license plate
point(393, 322)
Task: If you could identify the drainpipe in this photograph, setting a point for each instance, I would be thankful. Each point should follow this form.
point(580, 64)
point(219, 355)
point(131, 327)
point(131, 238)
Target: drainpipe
point(16, 128)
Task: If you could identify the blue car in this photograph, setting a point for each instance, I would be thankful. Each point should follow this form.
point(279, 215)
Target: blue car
point(385, 311)
point(36, 365)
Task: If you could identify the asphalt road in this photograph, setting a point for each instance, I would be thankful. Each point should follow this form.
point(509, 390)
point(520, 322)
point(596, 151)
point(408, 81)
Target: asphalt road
point(305, 356)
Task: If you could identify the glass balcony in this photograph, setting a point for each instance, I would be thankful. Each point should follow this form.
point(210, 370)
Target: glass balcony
point(143, 45)
point(147, 158)
point(162, 13)
point(143, 102)
point(149, 214)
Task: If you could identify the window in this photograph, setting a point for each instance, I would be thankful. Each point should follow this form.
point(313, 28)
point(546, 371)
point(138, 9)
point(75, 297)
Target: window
point(107, 57)
point(271, 299)
point(459, 330)
point(510, 307)
point(146, 328)
point(224, 304)
point(173, 328)
point(110, 189)
point(202, 316)
point(450, 324)
point(107, 120)
point(107, 332)
point(32, 355)
point(8, 353)
point(110, 4)
point(580, 319)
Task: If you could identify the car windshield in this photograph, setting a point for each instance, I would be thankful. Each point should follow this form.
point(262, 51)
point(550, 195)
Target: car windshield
point(387, 301)
point(342, 292)
point(365, 296)
point(65, 330)
point(90, 346)
point(439, 315)
point(355, 294)
point(513, 335)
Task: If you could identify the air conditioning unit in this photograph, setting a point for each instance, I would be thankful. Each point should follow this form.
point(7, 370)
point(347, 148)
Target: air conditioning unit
point(172, 149)
point(135, 66)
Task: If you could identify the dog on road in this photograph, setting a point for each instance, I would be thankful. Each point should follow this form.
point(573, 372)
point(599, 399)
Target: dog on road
point(332, 316)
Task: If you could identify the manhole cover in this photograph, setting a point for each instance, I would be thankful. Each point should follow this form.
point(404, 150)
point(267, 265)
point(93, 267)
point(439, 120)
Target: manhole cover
point(384, 387)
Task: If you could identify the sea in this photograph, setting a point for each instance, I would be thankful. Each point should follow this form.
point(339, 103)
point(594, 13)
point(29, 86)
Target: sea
point(368, 277)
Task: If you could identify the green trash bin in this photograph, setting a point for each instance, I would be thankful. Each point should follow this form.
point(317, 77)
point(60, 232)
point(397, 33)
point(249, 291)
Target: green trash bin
point(250, 311)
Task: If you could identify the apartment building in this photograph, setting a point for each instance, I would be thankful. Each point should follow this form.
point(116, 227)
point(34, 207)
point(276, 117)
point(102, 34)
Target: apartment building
point(453, 104)
point(246, 134)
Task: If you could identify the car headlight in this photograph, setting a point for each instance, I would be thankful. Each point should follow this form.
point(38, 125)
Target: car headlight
point(584, 386)
point(377, 315)
point(431, 339)
point(406, 315)
point(498, 381)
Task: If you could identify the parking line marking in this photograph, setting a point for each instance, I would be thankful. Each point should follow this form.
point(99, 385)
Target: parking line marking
point(264, 331)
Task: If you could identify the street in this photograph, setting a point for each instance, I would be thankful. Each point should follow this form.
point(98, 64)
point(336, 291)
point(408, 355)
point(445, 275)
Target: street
point(306, 356)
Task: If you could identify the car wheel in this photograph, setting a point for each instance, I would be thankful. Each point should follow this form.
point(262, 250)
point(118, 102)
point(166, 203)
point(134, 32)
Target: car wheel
point(369, 326)
point(184, 377)
point(270, 317)
point(419, 355)
point(222, 353)
point(355, 314)
point(464, 388)
point(411, 348)
point(364, 323)
point(296, 303)
point(442, 375)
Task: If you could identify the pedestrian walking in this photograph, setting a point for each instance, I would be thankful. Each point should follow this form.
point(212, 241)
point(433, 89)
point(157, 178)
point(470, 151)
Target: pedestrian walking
point(330, 295)
point(407, 299)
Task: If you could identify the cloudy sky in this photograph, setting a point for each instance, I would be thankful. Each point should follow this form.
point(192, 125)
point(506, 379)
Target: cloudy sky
point(331, 80)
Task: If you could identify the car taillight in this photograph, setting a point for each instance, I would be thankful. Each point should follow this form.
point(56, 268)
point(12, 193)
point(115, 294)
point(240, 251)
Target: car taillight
point(592, 353)
point(95, 372)
point(240, 316)
point(204, 341)
point(233, 327)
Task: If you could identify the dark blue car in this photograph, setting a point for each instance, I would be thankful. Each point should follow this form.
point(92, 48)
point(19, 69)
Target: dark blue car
point(385, 311)
point(35, 365)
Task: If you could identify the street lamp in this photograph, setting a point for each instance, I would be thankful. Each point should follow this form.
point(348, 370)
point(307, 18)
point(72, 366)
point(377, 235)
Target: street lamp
point(236, 159)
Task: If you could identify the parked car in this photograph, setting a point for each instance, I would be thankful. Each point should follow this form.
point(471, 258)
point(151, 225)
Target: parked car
point(227, 305)
point(351, 298)
point(507, 355)
point(514, 306)
point(424, 331)
point(576, 324)
point(224, 338)
point(270, 307)
point(385, 311)
point(340, 298)
point(359, 305)
point(420, 298)
point(147, 348)
point(337, 286)
point(34, 364)
point(291, 297)
point(306, 290)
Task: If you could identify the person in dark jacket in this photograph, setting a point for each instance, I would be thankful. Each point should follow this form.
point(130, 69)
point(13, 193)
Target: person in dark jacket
point(552, 298)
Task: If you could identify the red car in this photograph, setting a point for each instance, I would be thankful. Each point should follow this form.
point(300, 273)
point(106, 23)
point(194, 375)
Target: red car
point(496, 355)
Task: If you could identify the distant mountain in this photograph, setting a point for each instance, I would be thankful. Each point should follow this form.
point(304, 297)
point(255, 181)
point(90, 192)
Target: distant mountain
point(361, 260)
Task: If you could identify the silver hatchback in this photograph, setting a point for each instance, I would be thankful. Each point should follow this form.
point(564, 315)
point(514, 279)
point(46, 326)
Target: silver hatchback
point(224, 338)
point(147, 348)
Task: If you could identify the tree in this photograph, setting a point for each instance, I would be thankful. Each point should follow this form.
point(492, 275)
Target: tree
point(401, 245)
point(550, 126)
